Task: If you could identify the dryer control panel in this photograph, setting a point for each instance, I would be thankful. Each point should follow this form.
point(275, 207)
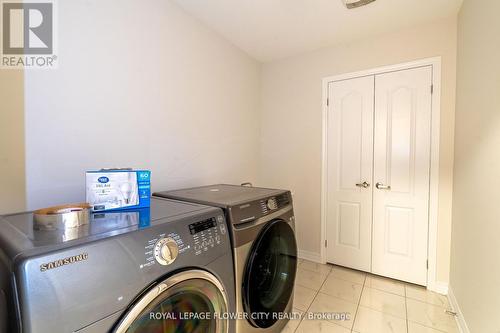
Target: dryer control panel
point(207, 233)
point(250, 211)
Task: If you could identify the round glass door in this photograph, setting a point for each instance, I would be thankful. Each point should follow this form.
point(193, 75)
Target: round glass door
point(270, 274)
point(190, 302)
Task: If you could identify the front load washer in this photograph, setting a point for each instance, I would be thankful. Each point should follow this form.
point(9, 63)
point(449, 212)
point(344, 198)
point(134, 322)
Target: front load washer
point(167, 268)
point(261, 224)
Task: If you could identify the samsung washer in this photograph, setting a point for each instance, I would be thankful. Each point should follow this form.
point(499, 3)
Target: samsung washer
point(163, 269)
point(261, 224)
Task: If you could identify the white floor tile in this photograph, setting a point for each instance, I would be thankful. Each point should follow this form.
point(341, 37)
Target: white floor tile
point(325, 304)
point(384, 302)
point(310, 279)
point(315, 267)
point(422, 294)
point(348, 274)
point(372, 303)
point(320, 326)
point(345, 290)
point(418, 328)
point(432, 316)
point(371, 321)
point(303, 297)
point(292, 325)
point(385, 284)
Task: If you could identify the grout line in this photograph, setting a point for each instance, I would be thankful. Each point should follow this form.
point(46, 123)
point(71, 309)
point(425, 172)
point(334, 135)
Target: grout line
point(385, 313)
point(310, 270)
point(406, 308)
point(429, 327)
point(314, 298)
point(408, 320)
point(349, 269)
point(306, 310)
point(364, 288)
point(372, 308)
point(359, 302)
point(427, 303)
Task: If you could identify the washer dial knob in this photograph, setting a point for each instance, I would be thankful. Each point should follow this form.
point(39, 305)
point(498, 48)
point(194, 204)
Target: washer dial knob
point(166, 251)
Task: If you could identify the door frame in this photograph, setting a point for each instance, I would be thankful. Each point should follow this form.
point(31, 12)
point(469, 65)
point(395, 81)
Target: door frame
point(435, 62)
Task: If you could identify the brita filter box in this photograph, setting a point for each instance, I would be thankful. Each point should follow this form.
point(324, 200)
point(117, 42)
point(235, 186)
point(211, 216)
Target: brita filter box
point(111, 189)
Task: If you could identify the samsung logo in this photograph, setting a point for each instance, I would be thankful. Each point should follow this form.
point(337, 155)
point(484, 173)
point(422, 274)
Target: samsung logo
point(63, 262)
point(103, 180)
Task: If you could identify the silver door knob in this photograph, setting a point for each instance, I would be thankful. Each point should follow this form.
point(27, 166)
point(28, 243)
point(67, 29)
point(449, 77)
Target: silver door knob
point(381, 186)
point(363, 185)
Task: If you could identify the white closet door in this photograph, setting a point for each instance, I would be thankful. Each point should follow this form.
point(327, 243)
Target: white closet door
point(350, 160)
point(401, 169)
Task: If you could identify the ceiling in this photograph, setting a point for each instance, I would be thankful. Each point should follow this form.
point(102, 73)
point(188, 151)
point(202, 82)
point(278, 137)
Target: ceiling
point(273, 29)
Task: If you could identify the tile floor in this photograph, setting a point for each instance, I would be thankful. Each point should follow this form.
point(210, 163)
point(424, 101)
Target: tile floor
point(373, 304)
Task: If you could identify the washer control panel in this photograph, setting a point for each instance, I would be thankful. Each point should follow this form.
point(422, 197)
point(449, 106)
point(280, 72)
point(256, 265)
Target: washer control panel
point(194, 239)
point(166, 251)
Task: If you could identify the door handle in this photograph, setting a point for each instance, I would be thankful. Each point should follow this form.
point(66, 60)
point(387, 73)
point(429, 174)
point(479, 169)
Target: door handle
point(363, 185)
point(381, 186)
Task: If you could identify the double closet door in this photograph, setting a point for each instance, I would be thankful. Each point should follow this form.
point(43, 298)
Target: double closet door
point(378, 160)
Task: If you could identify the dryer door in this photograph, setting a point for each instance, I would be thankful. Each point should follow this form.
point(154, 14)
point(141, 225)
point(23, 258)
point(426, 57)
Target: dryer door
point(186, 302)
point(270, 274)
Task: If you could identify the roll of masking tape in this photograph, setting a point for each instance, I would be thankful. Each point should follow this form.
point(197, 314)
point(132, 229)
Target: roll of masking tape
point(62, 217)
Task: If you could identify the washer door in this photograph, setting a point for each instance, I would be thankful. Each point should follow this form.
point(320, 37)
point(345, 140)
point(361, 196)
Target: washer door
point(270, 274)
point(186, 302)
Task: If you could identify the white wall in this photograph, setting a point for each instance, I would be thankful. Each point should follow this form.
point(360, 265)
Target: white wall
point(291, 127)
point(475, 264)
point(139, 84)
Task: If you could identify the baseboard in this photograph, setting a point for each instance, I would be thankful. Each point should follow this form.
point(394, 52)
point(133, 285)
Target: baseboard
point(311, 256)
point(462, 325)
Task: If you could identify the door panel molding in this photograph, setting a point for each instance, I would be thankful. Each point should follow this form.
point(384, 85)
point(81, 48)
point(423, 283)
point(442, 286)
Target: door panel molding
point(393, 127)
point(435, 62)
point(347, 170)
point(392, 220)
point(355, 240)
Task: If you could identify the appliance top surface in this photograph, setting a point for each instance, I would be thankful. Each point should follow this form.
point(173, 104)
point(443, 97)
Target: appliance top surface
point(17, 234)
point(220, 195)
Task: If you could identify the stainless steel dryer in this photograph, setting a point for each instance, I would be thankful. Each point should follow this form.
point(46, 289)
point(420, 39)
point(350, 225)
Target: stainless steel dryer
point(261, 223)
point(163, 269)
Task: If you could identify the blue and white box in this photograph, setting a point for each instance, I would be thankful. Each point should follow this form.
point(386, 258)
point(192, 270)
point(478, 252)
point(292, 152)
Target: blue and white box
point(112, 189)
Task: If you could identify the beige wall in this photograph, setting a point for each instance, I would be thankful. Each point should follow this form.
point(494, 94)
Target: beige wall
point(291, 123)
point(140, 84)
point(475, 264)
point(12, 163)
